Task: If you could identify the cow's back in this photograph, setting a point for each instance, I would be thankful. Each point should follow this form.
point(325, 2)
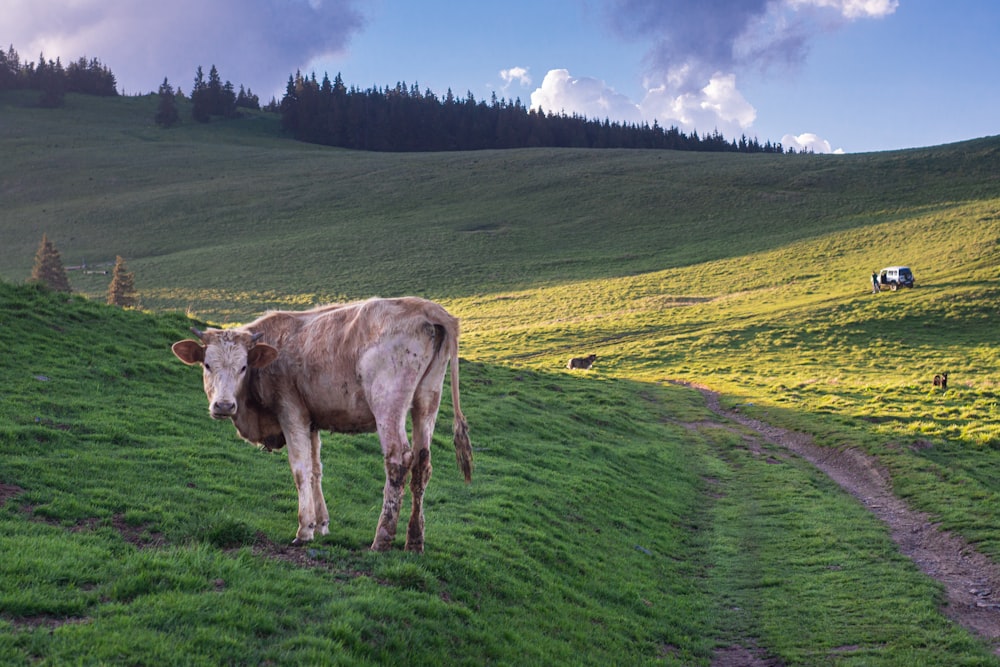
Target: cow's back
point(319, 368)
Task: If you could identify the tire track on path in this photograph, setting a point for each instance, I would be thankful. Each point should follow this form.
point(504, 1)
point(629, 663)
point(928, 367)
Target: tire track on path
point(970, 579)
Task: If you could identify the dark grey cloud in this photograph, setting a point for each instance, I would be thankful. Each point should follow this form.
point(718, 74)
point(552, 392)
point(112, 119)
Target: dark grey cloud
point(257, 43)
point(693, 40)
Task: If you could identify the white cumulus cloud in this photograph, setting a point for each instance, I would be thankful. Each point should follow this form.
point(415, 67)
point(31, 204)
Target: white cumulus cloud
point(852, 9)
point(518, 74)
point(717, 106)
point(561, 92)
point(809, 143)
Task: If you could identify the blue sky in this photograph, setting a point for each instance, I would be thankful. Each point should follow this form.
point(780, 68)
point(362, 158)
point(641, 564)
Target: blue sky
point(828, 75)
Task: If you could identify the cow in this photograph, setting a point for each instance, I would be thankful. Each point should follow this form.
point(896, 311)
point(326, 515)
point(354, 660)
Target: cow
point(582, 362)
point(941, 380)
point(346, 368)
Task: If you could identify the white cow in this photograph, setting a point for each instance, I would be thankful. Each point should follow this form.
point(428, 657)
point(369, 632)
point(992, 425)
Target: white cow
point(347, 368)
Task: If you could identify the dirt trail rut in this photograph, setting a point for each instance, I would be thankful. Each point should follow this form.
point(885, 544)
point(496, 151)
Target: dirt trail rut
point(971, 580)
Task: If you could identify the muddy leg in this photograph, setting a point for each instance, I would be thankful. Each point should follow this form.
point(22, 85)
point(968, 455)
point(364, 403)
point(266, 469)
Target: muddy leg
point(421, 474)
point(392, 497)
point(424, 414)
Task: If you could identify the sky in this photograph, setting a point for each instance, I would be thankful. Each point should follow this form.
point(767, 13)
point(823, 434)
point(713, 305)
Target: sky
point(823, 75)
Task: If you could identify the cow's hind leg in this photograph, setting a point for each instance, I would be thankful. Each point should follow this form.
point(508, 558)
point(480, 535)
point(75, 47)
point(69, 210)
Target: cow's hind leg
point(391, 377)
point(424, 414)
point(396, 450)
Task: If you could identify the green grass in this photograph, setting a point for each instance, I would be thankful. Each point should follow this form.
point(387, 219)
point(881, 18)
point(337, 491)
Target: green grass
point(598, 528)
point(102, 428)
point(230, 218)
point(606, 523)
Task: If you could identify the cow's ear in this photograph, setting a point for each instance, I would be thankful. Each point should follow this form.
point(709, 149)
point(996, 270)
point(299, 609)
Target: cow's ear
point(261, 355)
point(189, 351)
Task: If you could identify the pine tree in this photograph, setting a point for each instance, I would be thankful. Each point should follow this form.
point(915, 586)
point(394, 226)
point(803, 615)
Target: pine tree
point(214, 91)
point(52, 82)
point(246, 99)
point(201, 108)
point(167, 114)
point(226, 103)
point(121, 291)
point(48, 269)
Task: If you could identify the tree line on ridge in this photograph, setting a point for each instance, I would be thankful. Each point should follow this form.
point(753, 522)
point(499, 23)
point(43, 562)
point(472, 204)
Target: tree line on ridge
point(400, 118)
point(53, 80)
point(403, 118)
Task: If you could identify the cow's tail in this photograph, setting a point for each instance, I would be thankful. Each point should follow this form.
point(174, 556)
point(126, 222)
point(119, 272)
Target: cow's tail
point(463, 446)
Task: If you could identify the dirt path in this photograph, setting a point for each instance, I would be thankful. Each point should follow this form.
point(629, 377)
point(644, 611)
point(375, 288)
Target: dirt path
point(970, 579)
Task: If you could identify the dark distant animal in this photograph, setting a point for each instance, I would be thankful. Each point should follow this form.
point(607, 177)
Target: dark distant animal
point(352, 368)
point(582, 362)
point(941, 380)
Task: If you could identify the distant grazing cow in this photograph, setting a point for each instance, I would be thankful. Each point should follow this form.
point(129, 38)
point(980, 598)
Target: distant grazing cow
point(351, 368)
point(582, 362)
point(941, 380)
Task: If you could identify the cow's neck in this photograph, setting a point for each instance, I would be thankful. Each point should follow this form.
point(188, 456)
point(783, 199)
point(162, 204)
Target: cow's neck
point(256, 424)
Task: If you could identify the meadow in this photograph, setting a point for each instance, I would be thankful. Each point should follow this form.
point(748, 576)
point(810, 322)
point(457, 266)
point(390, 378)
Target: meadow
point(610, 520)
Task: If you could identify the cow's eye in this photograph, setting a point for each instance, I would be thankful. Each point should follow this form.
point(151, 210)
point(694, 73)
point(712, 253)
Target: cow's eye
point(243, 370)
point(208, 368)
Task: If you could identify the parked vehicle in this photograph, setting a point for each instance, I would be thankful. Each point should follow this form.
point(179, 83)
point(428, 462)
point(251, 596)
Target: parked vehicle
point(895, 277)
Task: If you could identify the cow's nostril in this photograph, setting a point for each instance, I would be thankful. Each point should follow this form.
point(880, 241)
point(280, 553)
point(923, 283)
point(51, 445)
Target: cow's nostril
point(223, 408)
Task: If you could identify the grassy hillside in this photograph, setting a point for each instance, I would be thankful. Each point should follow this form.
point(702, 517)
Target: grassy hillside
point(602, 526)
point(609, 517)
point(228, 217)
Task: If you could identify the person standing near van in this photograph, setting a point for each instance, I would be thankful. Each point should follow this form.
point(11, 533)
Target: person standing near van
point(875, 287)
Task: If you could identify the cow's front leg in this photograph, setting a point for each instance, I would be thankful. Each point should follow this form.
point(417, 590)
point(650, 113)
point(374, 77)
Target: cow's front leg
point(322, 515)
point(397, 465)
point(300, 459)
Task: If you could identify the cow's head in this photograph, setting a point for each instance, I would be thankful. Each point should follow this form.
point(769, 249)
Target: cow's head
point(226, 356)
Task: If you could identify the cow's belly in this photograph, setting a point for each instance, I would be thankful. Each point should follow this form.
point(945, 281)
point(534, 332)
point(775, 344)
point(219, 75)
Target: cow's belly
point(344, 421)
point(344, 411)
point(336, 405)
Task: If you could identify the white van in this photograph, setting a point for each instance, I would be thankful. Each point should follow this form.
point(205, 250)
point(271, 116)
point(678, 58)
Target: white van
point(895, 277)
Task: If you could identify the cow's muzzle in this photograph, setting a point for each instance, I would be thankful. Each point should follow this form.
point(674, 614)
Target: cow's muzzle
point(222, 409)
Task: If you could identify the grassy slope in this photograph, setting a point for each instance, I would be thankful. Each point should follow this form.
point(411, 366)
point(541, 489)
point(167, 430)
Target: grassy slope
point(600, 527)
point(748, 273)
point(106, 435)
point(226, 218)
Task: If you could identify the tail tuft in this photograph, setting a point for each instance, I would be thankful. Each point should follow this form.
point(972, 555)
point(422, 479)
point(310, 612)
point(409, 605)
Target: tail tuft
point(463, 447)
